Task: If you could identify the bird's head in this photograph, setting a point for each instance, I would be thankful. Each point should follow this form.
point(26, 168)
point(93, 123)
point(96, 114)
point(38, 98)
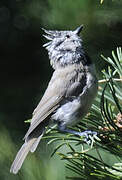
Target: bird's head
point(64, 47)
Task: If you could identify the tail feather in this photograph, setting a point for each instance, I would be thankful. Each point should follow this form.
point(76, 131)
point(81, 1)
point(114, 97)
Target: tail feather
point(21, 155)
point(35, 144)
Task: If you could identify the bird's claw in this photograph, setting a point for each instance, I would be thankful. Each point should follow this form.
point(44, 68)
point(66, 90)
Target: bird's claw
point(89, 136)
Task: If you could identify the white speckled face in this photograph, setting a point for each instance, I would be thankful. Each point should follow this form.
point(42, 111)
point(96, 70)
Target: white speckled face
point(67, 40)
point(65, 47)
point(70, 43)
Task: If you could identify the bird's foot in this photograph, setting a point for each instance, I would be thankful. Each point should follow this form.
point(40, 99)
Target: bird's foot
point(89, 136)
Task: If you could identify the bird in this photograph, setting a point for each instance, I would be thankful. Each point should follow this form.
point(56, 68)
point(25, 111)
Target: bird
point(69, 94)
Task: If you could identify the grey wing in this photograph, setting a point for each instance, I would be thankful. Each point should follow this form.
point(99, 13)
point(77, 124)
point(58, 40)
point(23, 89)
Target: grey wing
point(77, 86)
point(44, 112)
point(49, 103)
point(75, 89)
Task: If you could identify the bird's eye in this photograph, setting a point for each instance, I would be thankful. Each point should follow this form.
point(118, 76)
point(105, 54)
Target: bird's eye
point(67, 36)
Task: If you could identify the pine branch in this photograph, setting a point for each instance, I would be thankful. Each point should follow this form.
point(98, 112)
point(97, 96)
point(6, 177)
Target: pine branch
point(106, 80)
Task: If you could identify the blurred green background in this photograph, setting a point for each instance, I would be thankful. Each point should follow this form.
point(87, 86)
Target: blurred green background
point(25, 69)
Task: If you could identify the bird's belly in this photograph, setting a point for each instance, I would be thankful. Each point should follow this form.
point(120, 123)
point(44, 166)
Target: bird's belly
point(67, 114)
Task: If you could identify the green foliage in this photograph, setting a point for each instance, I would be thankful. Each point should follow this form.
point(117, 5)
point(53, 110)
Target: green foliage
point(58, 13)
point(90, 162)
point(34, 168)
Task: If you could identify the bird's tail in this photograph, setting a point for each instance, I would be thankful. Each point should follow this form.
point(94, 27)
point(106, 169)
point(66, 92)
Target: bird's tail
point(30, 145)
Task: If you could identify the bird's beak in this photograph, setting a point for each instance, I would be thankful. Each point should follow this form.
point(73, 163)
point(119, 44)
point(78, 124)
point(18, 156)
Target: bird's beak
point(78, 30)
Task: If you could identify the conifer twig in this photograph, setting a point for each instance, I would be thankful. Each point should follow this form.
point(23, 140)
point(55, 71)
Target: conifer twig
point(106, 80)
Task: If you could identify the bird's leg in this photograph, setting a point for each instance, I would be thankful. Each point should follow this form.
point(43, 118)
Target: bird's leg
point(89, 135)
